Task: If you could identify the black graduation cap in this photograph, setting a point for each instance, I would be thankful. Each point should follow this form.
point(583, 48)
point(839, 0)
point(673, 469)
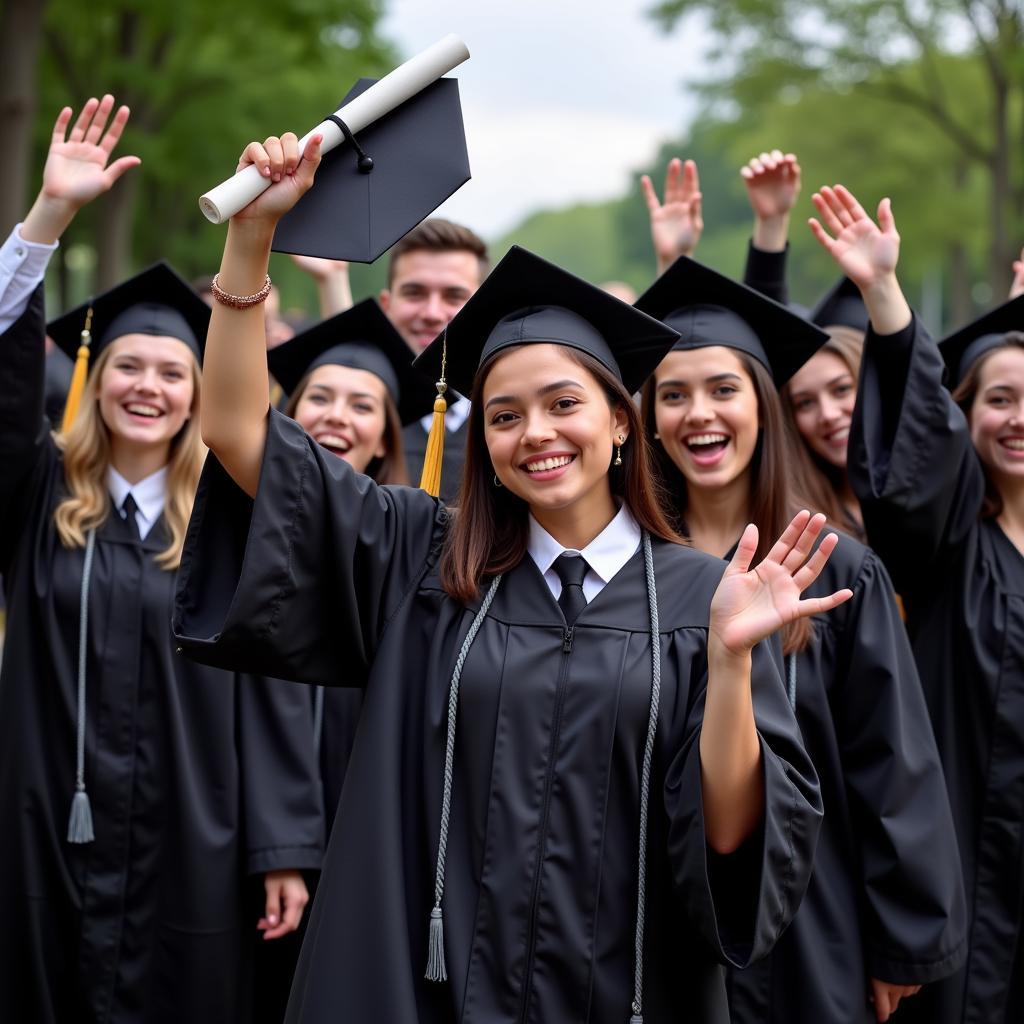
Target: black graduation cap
point(707, 308)
point(526, 300)
point(843, 306)
point(157, 301)
point(964, 346)
point(364, 339)
point(419, 158)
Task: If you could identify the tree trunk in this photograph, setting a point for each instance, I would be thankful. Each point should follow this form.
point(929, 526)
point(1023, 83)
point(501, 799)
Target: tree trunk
point(21, 29)
point(114, 233)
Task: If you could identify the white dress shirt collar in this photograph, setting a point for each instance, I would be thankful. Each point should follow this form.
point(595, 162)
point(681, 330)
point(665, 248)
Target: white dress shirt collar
point(149, 493)
point(606, 554)
point(457, 414)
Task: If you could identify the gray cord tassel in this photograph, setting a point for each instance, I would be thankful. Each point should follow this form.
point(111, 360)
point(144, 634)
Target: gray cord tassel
point(80, 828)
point(436, 970)
point(791, 680)
point(645, 781)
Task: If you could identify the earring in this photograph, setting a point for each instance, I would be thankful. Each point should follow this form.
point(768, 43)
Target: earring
point(497, 482)
point(618, 454)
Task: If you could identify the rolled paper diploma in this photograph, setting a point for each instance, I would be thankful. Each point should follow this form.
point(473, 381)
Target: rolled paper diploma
point(224, 201)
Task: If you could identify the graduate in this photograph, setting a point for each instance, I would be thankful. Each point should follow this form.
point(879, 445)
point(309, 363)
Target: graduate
point(545, 817)
point(884, 911)
point(140, 789)
point(938, 477)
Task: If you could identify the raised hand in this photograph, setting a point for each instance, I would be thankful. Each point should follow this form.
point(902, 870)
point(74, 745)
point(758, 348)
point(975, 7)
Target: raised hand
point(1017, 287)
point(773, 183)
point(676, 224)
point(290, 172)
point(751, 604)
point(76, 169)
point(318, 267)
point(865, 251)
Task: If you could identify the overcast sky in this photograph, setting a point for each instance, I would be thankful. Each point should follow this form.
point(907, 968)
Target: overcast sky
point(560, 100)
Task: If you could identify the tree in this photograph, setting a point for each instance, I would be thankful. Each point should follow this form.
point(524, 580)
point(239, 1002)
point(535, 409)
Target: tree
point(21, 31)
point(200, 85)
point(902, 52)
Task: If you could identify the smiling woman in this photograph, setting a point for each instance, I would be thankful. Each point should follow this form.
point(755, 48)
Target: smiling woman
point(180, 780)
point(573, 747)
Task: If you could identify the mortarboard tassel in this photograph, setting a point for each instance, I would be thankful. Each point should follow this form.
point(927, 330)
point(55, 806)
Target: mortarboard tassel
point(81, 371)
point(430, 478)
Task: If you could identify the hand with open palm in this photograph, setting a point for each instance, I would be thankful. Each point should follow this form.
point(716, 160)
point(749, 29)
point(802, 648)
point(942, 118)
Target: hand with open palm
point(866, 252)
point(77, 168)
point(751, 604)
point(676, 223)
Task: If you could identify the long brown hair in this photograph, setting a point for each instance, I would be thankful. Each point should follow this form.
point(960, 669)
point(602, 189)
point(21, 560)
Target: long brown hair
point(390, 468)
point(86, 448)
point(824, 481)
point(777, 478)
point(490, 529)
point(965, 393)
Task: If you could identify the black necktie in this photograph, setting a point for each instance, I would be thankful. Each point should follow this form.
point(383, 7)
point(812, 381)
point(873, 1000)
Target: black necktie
point(570, 570)
point(128, 510)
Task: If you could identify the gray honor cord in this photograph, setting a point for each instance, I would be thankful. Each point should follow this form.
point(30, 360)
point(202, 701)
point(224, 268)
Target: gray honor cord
point(80, 828)
point(436, 969)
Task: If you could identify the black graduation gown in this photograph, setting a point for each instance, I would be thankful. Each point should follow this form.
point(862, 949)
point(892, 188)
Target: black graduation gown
point(328, 577)
point(196, 776)
point(921, 486)
point(885, 898)
point(414, 442)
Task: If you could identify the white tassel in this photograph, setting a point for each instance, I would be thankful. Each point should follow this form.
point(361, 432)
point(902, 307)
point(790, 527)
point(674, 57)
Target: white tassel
point(435, 957)
point(80, 822)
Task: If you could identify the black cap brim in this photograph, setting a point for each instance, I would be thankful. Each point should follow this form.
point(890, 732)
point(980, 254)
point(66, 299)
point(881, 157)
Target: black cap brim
point(370, 343)
point(782, 341)
point(843, 306)
point(963, 347)
point(419, 160)
point(152, 292)
point(631, 341)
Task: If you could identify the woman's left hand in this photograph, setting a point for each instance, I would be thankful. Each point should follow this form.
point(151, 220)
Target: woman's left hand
point(287, 897)
point(751, 604)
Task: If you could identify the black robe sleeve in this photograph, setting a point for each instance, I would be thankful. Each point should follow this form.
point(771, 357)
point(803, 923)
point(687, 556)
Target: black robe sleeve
point(23, 429)
point(765, 272)
point(743, 901)
point(282, 807)
point(911, 461)
point(301, 582)
point(915, 921)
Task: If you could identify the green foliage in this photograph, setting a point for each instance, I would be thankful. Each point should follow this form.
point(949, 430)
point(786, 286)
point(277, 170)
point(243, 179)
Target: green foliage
point(202, 80)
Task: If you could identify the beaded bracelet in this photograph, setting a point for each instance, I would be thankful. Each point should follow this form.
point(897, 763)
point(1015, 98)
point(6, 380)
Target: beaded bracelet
point(239, 301)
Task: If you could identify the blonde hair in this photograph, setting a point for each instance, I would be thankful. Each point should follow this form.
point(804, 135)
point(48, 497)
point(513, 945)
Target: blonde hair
point(86, 448)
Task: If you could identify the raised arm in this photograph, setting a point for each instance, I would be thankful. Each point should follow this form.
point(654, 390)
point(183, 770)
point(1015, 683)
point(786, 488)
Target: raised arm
point(866, 252)
point(773, 186)
point(333, 288)
point(235, 381)
point(911, 461)
point(676, 223)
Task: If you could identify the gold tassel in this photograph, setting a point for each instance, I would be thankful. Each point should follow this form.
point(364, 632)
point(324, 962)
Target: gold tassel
point(81, 371)
point(430, 479)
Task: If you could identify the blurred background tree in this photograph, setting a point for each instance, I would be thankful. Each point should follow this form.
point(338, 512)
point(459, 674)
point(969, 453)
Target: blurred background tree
point(197, 80)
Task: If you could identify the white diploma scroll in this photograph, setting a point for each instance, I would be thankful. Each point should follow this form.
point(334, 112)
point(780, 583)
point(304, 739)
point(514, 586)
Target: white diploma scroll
point(224, 201)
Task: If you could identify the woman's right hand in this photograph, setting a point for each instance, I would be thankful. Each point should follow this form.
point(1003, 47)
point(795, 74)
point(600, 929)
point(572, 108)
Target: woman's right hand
point(291, 175)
